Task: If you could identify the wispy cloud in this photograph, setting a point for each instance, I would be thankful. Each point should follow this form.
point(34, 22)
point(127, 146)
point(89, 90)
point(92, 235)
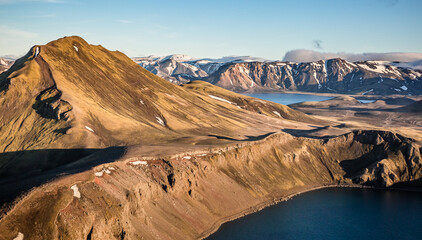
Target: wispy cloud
point(302, 55)
point(124, 21)
point(6, 31)
point(317, 44)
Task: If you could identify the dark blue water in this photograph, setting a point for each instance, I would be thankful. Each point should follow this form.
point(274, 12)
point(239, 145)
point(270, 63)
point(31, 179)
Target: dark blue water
point(334, 213)
point(288, 98)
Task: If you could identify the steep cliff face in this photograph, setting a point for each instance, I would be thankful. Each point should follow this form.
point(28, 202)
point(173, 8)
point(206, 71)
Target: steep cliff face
point(329, 76)
point(187, 195)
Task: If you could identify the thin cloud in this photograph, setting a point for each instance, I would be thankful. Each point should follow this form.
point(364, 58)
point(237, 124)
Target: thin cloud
point(124, 21)
point(303, 55)
point(14, 32)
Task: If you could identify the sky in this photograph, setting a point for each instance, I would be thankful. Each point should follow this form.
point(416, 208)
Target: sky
point(204, 28)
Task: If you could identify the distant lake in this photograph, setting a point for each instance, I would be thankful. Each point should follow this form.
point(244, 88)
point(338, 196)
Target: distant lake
point(288, 98)
point(333, 213)
point(366, 101)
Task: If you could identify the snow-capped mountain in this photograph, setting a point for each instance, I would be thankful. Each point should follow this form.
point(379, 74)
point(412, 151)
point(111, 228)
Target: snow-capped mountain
point(5, 64)
point(179, 68)
point(250, 74)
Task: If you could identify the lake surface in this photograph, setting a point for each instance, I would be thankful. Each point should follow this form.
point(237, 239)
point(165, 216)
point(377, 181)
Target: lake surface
point(366, 101)
point(333, 213)
point(288, 98)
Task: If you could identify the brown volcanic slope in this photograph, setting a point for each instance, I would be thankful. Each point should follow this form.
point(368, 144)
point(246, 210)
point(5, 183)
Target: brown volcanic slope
point(191, 164)
point(186, 195)
point(72, 95)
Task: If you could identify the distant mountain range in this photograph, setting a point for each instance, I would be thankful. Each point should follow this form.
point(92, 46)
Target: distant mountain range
point(5, 63)
point(248, 74)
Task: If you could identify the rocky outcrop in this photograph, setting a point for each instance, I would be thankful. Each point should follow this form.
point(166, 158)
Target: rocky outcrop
point(187, 195)
point(49, 105)
point(392, 159)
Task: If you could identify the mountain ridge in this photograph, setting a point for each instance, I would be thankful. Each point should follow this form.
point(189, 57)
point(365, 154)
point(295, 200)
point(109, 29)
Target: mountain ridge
point(325, 76)
point(68, 94)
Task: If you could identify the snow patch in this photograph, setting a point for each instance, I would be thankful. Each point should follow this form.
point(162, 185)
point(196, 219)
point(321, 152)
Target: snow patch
point(76, 192)
point(37, 51)
point(220, 99)
point(89, 129)
point(142, 102)
point(76, 48)
point(135, 163)
point(105, 170)
point(397, 90)
point(404, 88)
point(19, 237)
point(160, 121)
point(316, 79)
point(187, 157)
point(381, 80)
point(368, 91)
point(277, 113)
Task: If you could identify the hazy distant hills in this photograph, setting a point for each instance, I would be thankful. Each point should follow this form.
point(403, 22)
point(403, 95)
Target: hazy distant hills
point(249, 74)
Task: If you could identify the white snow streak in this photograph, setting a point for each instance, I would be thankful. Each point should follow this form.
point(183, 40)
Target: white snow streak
point(139, 163)
point(76, 192)
point(368, 91)
point(89, 129)
point(37, 51)
point(160, 121)
point(76, 48)
point(220, 99)
point(277, 113)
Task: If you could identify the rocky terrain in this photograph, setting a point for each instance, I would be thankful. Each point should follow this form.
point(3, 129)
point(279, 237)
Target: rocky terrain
point(93, 146)
point(186, 195)
point(324, 76)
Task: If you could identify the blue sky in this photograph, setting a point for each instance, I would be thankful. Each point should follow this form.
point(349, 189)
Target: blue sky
point(264, 28)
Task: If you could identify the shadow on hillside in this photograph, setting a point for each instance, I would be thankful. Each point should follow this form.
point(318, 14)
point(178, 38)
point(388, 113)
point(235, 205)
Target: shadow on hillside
point(353, 167)
point(248, 138)
point(62, 162)
point(308, 133)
